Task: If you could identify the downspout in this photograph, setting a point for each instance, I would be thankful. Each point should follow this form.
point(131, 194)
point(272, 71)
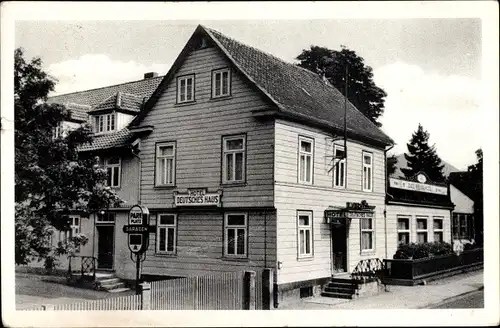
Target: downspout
point(138, 176)
point(265, 239)
point(385, 197)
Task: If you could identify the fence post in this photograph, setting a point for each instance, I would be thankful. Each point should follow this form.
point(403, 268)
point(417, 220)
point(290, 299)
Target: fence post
point(249, 290)
point(145, 296)
point(267, 289)
point(48, 307)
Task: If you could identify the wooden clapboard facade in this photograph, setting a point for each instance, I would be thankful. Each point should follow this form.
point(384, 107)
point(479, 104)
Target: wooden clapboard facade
point(240, 159)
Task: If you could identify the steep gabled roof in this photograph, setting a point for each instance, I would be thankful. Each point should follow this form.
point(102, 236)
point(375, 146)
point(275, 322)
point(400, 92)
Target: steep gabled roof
point(85, 100)
point(120, 101)
point(109, 140)
point(296, 92)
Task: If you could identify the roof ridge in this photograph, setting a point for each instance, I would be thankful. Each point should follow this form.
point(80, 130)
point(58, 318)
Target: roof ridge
point(105, 87)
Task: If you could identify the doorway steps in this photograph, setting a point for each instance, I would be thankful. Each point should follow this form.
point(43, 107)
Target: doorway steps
point(110, 283)
point(346, 288)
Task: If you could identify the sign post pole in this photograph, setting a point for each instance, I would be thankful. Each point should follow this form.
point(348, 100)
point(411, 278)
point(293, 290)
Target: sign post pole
point(137, 273)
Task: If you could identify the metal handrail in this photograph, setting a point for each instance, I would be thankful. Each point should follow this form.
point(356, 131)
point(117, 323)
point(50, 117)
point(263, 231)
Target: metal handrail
point(87, 265)
point(369, 268)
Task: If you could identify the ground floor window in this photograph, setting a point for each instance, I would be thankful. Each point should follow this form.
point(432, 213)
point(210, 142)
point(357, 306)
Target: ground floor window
point(422, 230)
point(304, 234)
point(462, 226)
point(438, 229)
point(167, 233)
point(235, 235)
point(403, 230)
point(367, 234)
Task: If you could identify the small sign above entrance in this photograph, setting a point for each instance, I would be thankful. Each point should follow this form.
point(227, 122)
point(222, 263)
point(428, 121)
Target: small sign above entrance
point(339, 216)
point(198, 197)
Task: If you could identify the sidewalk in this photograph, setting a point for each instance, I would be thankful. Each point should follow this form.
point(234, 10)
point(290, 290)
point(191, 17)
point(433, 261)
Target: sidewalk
point(399, 297)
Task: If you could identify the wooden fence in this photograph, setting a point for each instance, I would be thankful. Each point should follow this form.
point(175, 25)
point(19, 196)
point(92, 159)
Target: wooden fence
point(130, 302)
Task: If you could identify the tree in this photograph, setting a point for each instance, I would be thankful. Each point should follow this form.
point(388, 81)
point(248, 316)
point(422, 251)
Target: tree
point(392, 162)
point(422, 157)
point(51, 177)
point(362, 91)
point(476, 186)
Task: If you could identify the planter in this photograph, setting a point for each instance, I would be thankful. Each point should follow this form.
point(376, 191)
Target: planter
point(414, 270)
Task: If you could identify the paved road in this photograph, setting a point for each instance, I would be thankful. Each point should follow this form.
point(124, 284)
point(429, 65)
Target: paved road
point(472, 300)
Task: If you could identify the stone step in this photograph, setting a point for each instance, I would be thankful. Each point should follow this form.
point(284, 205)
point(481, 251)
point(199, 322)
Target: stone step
point(336, 289)
point(345, 281)
point(118, 290)
point(115, 285)
point(343, 285)
point(338, 295)
point(109, 281)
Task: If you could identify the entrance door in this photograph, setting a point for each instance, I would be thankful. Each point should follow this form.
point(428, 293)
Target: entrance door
point(106, 237)
point(339, 248)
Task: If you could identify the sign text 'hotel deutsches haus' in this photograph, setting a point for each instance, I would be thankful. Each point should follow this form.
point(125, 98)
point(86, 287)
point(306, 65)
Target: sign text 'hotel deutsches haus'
point(198, 197)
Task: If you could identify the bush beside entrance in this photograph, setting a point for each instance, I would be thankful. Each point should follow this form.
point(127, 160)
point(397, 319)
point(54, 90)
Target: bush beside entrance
point(415, 251)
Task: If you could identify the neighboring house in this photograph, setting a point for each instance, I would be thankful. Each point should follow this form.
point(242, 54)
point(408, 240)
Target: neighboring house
point(108, 110)
point(402, 163)
point(463, 218)
point(418, 211)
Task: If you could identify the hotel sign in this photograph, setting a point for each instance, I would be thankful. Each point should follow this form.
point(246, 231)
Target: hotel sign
point(338, 215)
point(417, 186)
point(198, 197)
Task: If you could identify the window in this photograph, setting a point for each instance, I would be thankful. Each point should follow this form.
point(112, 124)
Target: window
point(438, 229)
point(56, 131)
point(305, 236)
point(235, 235)
point(73, 230)
point(421, 230)
point(233, 165)
point(367, 171)
point(167, 233)
point(105, 123)
point(339, 172)
point(305, 160)
point(403, 231)
point(185, 89)
point(113, 168)
point(367, 234)
point(165, 164)
point(462, 226)
point(106, 217)
point(221, 83)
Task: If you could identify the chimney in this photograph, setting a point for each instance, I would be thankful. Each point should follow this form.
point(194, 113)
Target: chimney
point(150, 75)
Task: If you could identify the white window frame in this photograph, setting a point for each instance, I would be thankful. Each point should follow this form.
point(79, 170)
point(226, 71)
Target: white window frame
point(235, 227)
point(307, 231)
point(340, 166)
point(426, 230)
point(405, 231)
point(105, 219)
point(369, 167)
point(166, 227)
point(114, 167)
point(306, 155)
point(366, 230)
point(75, 227)
point(165, 158)
point(221, 72)
point(105, 123)
point(434, 230)
point(232, 153)
point(185, 78)
point(57, 131)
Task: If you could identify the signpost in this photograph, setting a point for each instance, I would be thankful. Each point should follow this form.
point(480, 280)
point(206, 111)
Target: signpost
point(138, 230)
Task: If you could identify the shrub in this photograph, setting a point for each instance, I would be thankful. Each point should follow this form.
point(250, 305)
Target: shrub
point(419, 251)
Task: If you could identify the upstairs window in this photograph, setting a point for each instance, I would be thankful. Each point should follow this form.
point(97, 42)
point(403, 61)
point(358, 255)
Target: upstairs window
point(367, 172)
point(56, 132)
point(306, 147)
point(339, 172)
point(113, 168)
point(105, 123)
point(221, 83)
point(165, 164)
point(233, 165)
point(185, 89)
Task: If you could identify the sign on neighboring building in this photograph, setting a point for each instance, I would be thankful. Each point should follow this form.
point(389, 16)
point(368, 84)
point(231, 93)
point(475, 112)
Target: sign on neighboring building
point(198, 197)
point(418, 186)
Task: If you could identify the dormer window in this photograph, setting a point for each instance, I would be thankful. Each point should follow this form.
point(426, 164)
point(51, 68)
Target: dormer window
point(105, 123)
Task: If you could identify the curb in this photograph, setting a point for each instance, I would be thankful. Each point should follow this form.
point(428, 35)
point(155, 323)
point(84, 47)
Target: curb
point(451, 298)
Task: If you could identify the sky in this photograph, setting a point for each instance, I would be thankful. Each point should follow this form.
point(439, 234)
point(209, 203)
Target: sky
point(429, 67)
